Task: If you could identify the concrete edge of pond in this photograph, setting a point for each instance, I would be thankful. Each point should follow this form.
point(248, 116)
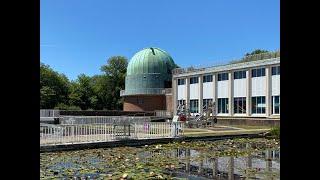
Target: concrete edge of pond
point(140, 142)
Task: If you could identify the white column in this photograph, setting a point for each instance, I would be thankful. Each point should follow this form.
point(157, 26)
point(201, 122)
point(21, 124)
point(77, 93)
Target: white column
point(188, 93)
point(268, 93)
point(200, 94)
point(215, 92)
point(248, 99)
point(175, 95)
point(230, 86)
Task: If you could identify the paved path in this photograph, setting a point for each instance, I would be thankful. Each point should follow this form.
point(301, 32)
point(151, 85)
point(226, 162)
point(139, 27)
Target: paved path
point(221, 130)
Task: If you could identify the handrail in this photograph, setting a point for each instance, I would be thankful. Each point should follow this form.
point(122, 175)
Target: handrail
point(88, 133)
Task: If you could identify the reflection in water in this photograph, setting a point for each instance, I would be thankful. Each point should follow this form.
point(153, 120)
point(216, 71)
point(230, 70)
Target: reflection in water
point(180, 162)
point(256, 165)
point(231, 168)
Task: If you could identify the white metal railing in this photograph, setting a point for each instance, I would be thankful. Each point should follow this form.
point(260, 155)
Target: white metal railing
point(49, 113)
point(163, 113)
point(88, 133)
point(102, 119)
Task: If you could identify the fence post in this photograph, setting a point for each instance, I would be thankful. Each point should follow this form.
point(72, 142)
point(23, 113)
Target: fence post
point(72, 134)
point(105, 133)
point(135, 131)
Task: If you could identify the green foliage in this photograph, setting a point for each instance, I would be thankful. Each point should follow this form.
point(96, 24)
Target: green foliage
point(257, 51)
point(54, 87)
point(158, 161)
point(115, 71)
point(96, 93)
point(275, 132)
point(247, 57)
point(62, 106)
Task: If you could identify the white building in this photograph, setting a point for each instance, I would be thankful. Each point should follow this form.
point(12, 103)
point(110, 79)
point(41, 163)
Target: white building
point(247, 89)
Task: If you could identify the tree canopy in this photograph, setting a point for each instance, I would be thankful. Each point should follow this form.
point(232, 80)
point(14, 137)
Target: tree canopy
point(248, 56)
point(97, 92)
point(257, 51)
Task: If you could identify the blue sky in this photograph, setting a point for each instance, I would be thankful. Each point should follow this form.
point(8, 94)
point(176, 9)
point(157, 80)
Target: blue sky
point(78, 36)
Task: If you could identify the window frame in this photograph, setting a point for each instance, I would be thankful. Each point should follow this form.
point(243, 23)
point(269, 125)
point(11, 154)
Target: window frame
point(275, 70)
point(192, 80)
point(274, 106)
point(260, 104)
point(237, 109)
point(181, 80)
point(223, 105)
point(223, 76)
point(194, 109)
point(239, 74)
point(258, 72)
point(205, 78)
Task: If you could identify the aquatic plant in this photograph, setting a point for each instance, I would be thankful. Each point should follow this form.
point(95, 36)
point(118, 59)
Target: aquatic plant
point(160, 161)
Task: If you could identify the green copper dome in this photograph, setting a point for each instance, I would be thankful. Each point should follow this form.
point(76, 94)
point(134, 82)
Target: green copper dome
point(150, 60)
point(149, 72)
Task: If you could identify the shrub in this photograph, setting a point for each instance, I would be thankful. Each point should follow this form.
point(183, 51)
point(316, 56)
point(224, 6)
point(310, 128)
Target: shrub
point(62, 106)
point(275, 131)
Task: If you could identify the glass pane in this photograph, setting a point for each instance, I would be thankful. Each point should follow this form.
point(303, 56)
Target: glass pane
point(254, 105)
point(254, 73)
point(244, 105)
point(227, 103)
point(235, 75)
point(273, 70)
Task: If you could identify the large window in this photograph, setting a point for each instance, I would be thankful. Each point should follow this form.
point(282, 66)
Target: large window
point(275, 104)
point(239, 75)
point(194, 106)
point(194, 80)
point(239, 105)
point(259, 105)
point(223, 77)
point(258, 72)
point(223, 105)
point(207, 78)
point(275, 70)
point(181, 81)
point(207, 103)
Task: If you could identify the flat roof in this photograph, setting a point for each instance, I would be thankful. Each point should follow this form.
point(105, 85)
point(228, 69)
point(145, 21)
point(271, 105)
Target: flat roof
point(181, 72)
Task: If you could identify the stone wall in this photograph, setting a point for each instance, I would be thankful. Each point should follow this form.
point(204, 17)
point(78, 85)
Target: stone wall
point(144, 103)
point(249, 121)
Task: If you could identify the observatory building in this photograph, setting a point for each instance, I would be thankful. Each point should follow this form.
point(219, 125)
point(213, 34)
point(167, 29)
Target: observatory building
point(148, 82)
point(249, 88)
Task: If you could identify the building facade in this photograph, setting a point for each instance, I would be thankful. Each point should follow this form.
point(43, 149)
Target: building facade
point(245, 89)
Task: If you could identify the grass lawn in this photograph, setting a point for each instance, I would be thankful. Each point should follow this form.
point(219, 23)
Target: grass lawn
point(219, 133)
point(250, 127)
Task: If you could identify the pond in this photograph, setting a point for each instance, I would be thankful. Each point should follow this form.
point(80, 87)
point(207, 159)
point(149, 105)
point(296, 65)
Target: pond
point(226, 159)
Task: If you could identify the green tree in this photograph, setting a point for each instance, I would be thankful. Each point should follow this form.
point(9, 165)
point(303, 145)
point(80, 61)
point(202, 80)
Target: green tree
point(82, 93)
point(115, 72)
point(256, 51)
point(248, 56)
point(102, 90)
point(54, 87)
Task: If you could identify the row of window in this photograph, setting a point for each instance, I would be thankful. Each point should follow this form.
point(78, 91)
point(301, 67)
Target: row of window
point(258, 105)
point(236, 75)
